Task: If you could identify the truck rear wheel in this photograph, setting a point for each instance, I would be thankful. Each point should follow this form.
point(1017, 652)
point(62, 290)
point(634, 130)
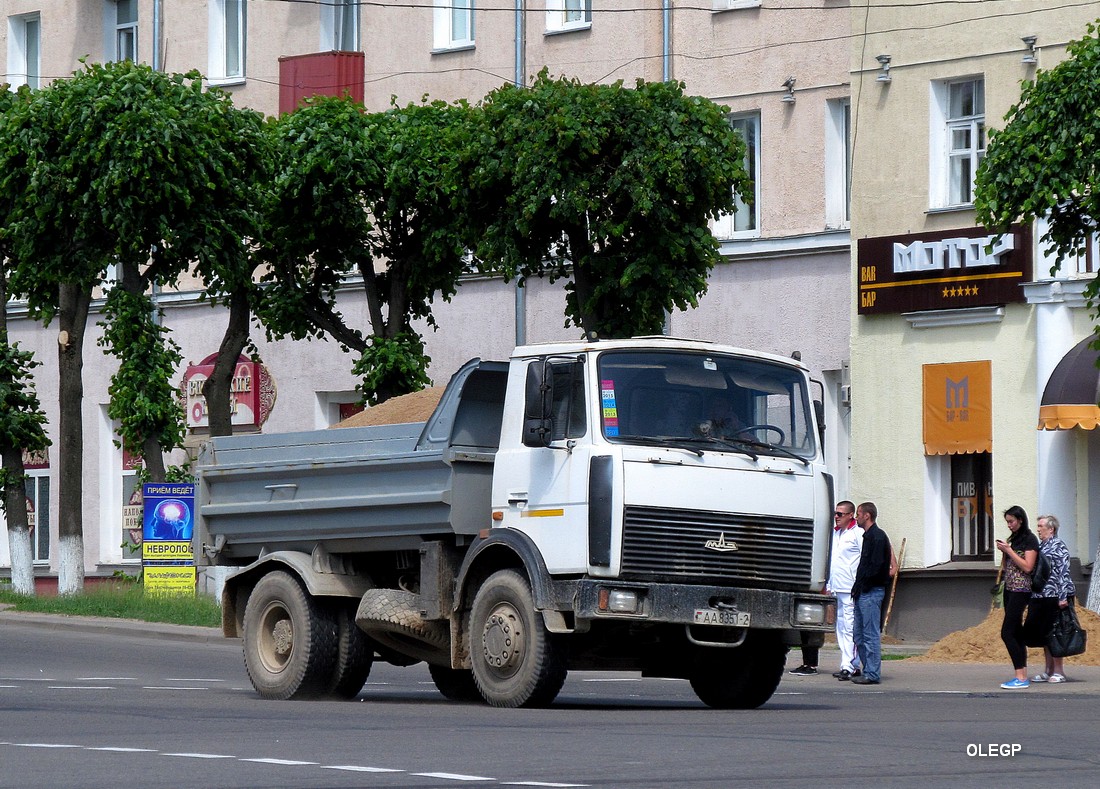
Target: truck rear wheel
point(354, 656)
point(456, 684)
point(742, 678)
point(516, 662)
point(290, 640)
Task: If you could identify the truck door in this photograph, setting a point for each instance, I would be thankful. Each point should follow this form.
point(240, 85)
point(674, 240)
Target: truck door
point(542, 480)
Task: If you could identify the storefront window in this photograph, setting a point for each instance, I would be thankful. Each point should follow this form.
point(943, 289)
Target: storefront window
point(972, 506)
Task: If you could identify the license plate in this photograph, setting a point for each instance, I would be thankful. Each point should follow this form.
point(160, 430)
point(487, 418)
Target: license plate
point(709, 616)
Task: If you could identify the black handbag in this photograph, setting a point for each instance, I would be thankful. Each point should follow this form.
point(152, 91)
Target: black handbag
point(1066, 638)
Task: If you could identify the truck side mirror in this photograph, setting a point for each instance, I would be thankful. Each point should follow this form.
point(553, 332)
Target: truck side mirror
point(819, 412)
point(537, 402)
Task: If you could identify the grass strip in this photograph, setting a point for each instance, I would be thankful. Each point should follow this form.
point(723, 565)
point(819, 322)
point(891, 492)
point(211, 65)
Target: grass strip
point(121, 601)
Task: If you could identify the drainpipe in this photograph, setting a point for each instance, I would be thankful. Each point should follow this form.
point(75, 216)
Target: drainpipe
point(520, 81)
point(666, 40)
point(156, 35)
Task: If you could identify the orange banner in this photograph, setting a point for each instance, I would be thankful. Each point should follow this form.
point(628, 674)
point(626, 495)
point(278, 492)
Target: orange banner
point(958, 408)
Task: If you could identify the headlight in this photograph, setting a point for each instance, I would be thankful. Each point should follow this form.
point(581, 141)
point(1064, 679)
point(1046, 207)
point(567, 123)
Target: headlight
point(806, 613)
point(619, 601)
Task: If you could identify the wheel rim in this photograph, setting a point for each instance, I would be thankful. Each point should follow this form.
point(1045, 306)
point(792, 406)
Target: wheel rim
point(503, 640)
point(276, 638)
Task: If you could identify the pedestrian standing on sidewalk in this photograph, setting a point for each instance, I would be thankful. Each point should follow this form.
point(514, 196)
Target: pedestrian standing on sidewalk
point(1018, 561)
point(808, 666)
point(1058, 593)
point(868, 592)
point(843, 560)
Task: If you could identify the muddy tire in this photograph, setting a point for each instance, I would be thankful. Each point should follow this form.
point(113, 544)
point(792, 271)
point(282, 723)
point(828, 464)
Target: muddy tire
point(354, 656)
point(740, 679)
point(392, 618)
point(456, 684)
point(516, 662)
point(290, 640)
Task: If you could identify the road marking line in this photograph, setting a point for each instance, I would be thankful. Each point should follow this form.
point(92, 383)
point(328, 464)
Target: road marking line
point(539, 783)
point(43, 745)
point(80, 687)
point(613, 679)
point(172, 687)
point(200, 755)
point(120, 749)
point(106, 679)
point(267, 760)
point(357, 769)
point(192, 679)
point(453, 776)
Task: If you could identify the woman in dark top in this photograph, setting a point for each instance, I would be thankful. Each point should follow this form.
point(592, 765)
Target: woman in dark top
point(1019, 556)
point(1058, 593)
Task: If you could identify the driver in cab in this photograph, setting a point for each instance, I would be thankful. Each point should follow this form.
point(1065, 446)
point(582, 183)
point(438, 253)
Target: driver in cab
point(721, 420)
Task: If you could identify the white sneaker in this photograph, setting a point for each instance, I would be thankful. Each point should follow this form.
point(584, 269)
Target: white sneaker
point(1043, 678)
point(1056, 678)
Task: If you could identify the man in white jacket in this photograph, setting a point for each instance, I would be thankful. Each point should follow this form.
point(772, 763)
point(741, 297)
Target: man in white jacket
point(843, 561)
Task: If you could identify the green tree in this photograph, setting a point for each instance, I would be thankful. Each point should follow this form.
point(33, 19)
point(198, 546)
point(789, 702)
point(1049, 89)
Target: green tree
point(1045, 162)
point(22, 427)
point(373, 195)
point(128, 167)
point(612, 187)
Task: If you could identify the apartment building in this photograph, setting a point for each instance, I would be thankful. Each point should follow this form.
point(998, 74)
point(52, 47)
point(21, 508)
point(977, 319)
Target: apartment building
point(781, 66)
point(961, 341)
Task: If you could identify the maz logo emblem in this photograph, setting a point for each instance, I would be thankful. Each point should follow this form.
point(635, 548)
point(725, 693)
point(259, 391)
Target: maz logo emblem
point(720, 544)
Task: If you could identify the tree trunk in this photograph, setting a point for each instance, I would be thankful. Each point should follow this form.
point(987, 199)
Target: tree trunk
point(153, 459)
point(19, 533)
point(15, 498)
point(216, 387)
point(73, 319)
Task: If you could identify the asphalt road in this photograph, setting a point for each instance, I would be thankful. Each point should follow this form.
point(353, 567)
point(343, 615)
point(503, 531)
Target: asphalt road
point(130, 705)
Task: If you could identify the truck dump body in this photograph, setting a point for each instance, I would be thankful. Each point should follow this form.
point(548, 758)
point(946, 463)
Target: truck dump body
point(359, 489)
point(337, 488)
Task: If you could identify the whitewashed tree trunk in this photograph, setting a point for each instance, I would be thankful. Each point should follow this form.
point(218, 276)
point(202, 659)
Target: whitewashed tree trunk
point(70, 566)
point(1093, 603)
point(22, 560)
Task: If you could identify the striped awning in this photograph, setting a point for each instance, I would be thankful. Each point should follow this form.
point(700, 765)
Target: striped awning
point(1072, 395)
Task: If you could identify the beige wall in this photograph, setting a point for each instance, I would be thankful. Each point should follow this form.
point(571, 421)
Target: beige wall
point(927, 43)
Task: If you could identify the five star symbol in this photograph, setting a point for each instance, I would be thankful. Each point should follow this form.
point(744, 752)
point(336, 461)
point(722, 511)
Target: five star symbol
point(960, 290)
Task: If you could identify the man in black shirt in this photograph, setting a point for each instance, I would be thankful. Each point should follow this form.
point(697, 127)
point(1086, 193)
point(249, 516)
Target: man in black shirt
point(868, 592)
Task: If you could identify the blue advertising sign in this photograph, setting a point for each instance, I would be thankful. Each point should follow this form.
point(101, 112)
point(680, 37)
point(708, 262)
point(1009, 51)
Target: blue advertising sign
point(169, 522)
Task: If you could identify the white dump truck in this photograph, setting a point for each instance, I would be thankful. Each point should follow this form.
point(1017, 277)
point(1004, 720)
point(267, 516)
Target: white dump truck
point(652, 504)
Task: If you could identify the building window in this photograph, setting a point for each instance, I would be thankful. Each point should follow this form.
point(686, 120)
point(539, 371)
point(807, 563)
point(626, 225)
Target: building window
point(38, 513)
point(744, 221)
point(24, 56)
point(838, 164)
point(227, 40)
point(125, 20)
point(958, 140)
point(340, 26)
point(454, 24)
point(972, 506)
point(562, 15)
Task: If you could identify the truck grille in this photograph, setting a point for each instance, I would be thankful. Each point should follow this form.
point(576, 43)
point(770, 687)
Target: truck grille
point(671, 543)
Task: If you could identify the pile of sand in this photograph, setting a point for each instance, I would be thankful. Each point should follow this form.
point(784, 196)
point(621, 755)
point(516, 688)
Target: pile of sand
point(415, 407)
point(982, 644)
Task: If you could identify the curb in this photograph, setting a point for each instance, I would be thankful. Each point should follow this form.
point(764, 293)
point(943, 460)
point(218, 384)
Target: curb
point(108, 625)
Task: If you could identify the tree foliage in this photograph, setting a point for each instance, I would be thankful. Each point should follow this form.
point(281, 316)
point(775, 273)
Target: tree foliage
point(613, 187)
point(1045, 162)
point(373, 195)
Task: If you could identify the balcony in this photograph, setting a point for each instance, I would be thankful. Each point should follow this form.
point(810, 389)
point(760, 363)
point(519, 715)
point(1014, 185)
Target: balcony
point(319, 74)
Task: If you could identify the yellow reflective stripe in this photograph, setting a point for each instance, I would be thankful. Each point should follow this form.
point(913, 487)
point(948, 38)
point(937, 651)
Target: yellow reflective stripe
point(542, 513)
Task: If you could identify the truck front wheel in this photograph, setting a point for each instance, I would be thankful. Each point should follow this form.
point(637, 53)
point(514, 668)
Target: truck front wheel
point(290, 640)
point(742, 678)
point(516, 662)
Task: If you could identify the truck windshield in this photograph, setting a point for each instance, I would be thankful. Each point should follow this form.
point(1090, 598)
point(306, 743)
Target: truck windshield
point(705, 402)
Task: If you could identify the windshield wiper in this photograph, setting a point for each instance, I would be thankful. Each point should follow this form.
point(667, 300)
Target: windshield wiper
point(769, 447)
point(669, 442)
point(731, 444)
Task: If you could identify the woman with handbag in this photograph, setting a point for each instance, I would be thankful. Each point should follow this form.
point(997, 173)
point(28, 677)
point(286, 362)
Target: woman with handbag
point(1020, 552)
point(1056, 594)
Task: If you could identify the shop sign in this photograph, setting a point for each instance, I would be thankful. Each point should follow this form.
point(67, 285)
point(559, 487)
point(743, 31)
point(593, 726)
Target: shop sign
point(167, 530)
point(251, 393)
point(955, 269)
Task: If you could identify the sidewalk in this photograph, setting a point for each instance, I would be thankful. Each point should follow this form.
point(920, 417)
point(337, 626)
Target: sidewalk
point(121, 627)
